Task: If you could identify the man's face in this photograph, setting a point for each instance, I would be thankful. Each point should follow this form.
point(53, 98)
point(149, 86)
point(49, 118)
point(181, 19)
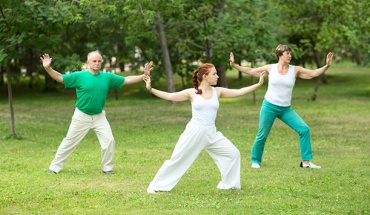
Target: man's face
point(95, 62)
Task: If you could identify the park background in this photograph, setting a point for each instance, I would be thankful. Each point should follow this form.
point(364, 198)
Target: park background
point(176, 36)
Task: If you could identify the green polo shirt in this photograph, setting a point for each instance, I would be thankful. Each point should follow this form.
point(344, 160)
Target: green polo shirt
point(92, 90)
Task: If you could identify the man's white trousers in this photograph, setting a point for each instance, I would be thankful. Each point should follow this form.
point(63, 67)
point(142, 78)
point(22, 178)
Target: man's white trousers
point(79, 127)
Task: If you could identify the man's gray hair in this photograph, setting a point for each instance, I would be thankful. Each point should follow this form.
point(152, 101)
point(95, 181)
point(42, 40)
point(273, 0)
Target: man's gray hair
point(93, 52)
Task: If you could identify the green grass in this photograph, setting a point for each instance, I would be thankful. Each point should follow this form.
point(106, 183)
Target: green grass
point(146, 130)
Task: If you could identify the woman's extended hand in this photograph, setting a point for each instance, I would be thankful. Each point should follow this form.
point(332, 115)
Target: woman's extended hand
point(147, 80)
point(329, 59)
point(232, 62)
point(148, 67)
point(262, 78)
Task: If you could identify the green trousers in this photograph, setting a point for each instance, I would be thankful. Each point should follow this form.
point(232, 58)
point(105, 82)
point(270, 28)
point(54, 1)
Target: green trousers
point(268, 113)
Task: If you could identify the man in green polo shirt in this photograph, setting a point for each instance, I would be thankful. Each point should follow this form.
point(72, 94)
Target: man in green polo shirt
point(92, 87)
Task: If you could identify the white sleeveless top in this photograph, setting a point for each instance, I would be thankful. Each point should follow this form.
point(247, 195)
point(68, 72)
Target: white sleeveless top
point(205, 110)
point(280, 87)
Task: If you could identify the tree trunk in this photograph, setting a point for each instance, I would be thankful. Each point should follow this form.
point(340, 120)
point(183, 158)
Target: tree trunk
point(221, 72)
point(208, 47)
point(30, 65)
point(49, 84)
point(254, 92)
point(2, 83)
point(2, 80)
point(221, 69)
point(165, 55)
point(116, 94)
point(318, 82)
point(10, 100)
point(322, 78)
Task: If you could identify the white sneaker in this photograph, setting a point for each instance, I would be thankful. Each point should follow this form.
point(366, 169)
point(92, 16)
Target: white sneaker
point(310, 166)
point(150, 191)
point(255, 166)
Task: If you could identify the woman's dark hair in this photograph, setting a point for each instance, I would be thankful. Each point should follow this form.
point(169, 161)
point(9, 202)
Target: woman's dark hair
point(203, 69)
point(280, 49)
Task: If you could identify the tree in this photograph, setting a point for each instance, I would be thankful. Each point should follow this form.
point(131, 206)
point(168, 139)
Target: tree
point(323, 26)
point(146, 28)
point(23, 28)
point(195, 31)
point(214, 28)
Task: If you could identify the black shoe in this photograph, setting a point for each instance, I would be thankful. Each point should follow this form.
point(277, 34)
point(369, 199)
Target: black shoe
point(109, 172)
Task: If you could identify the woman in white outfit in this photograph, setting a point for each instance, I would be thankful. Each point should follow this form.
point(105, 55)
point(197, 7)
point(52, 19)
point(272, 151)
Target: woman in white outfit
point(200, 132)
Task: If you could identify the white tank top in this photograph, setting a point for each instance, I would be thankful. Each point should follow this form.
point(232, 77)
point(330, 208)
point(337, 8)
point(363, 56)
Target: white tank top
point(205, 110)
point(280, 87)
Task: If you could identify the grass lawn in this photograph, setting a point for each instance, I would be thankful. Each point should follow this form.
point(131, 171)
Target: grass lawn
point(146, 130)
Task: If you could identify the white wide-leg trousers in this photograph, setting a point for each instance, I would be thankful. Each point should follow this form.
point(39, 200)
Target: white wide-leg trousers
point(80, 125)
point(193, 140)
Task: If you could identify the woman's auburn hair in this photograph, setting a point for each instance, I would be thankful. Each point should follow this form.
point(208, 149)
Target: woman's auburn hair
point(203, 69)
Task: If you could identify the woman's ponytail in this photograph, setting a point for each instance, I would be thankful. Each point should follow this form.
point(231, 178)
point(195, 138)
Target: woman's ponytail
point(203, 69)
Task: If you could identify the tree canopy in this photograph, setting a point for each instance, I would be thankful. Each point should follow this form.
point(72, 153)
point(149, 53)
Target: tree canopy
point(175, 34)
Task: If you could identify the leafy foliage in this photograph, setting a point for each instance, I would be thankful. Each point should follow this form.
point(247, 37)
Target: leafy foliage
point(318, 27)
point(195, 31)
